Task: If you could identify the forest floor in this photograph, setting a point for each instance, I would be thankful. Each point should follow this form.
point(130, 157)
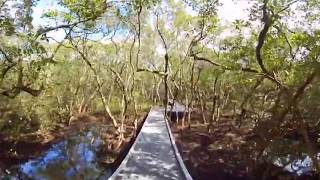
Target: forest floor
point(224, 153)
point(28, 146)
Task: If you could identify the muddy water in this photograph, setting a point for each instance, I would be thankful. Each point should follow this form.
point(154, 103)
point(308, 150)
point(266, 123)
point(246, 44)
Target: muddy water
point(72, 158)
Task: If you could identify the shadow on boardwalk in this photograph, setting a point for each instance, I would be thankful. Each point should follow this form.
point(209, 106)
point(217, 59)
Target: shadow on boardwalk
point(152, 155)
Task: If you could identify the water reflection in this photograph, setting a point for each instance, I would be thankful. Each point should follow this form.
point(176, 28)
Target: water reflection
point(73, 158)
point(299, 166)
point(290, 155)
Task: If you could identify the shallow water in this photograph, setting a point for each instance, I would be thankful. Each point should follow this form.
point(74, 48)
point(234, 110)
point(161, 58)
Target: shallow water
point(299, 166)
point(73, 158)
point(291, 156)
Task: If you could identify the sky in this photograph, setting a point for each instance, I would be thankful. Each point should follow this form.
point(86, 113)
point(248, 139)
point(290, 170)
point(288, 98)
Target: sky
point(42, 7)
point(234, 9)
point(228, 12)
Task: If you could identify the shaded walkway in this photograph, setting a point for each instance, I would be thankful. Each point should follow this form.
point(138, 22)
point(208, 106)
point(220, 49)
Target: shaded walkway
point(154, 154)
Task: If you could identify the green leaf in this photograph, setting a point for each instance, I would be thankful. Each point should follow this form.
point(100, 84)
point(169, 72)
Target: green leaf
point(51, 14)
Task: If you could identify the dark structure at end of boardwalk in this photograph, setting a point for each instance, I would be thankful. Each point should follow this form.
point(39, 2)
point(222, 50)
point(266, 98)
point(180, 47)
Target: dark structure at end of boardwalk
point(154, 154)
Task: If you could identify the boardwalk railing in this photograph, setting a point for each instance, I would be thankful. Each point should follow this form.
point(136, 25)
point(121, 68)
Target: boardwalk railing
point(154, 154)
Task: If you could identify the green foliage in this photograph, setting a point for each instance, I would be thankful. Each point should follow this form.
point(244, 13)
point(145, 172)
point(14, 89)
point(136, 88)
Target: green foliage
point(51, 14)
point(85, 8)
point(7, 26)
point(144, 3)
point(218, 62)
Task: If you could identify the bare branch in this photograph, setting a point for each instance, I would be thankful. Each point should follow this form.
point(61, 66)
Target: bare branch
point(166, 58)
point(139, 35)
point(63, 26)
point(6, 56)
point(290, 47)
point(287, 6)
point(3, 3)
point(266, 19)
point(151, 71)
point(7, 69)
point(13, 92)
point(223, 66)
point(302, 88)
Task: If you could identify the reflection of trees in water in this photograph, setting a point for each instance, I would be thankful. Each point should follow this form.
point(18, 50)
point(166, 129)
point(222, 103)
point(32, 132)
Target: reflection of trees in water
point(74, 158)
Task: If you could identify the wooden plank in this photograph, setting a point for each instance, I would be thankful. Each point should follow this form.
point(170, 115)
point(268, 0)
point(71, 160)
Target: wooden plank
point(154, 154)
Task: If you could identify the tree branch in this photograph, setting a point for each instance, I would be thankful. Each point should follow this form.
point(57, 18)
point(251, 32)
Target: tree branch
point(166, 58)
point(266, 19)
point(42, 31)
point(3, 3)
point(287, 6)
point(223, 66)
point(151, 71)
point(6, 56)
point(13, 92)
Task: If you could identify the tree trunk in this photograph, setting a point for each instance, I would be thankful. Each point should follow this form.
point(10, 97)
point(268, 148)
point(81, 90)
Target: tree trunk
point(202, 107)
point(190, 104)
point(214, 102)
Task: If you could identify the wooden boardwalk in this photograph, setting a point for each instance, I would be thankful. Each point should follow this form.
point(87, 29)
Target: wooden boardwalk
point(154, 154)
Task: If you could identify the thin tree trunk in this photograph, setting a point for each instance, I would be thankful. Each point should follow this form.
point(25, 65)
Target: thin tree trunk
point(218, 100)
point(158, 90)
point(190, 104)
point(99, 84)
point(166, 67)
point(202, 107)
point(153, 88)
point(185, 111)
point(214, 102)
